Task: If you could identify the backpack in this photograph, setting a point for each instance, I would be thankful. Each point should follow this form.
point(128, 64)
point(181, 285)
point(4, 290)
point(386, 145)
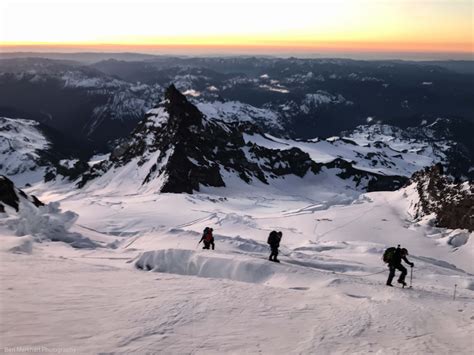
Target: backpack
point(207, 235)
point(388, 254)
point(272, 237)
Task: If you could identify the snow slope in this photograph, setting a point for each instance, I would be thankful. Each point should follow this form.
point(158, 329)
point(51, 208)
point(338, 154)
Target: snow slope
point(154, 290)
point(24, 216)
point(124, 311)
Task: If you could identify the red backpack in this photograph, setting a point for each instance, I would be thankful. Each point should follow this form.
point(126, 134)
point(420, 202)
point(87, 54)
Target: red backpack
point(208, 236)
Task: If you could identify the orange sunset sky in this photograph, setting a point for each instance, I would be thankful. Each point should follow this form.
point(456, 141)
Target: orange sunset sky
point(226, 26)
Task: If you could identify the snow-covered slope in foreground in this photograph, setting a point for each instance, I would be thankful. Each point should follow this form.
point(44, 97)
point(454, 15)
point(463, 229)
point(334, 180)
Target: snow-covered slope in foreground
point(155, 290)
point(25, 219)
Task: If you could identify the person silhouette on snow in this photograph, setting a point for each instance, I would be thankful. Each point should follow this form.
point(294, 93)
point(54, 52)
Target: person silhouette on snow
point(207, 238)
point(274, 241)
point(395, 263)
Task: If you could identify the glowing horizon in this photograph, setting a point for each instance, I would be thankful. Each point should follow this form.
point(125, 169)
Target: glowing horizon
point(265, 26)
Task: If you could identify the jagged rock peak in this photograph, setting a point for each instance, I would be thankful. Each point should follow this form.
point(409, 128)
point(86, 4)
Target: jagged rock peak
point(452, 203)
point(176, 148)
point(174, 96)
point(180, 109)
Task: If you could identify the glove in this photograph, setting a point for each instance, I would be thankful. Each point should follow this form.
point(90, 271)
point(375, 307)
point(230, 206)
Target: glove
point(412, 264)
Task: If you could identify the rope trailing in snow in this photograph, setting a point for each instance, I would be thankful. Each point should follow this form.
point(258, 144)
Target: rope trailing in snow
point(288, 255)
point(363, 275)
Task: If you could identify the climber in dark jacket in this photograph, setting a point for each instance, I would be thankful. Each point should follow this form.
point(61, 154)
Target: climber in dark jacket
point(395, 263)
point(274, 241)
point(207, 238)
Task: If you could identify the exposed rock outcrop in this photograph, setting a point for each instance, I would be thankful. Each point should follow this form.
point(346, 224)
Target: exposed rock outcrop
point(452, 203)
point(10, 195)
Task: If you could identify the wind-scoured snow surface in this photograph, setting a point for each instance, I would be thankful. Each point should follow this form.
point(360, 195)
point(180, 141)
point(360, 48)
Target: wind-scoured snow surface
point(20, 144)
point(150, 288)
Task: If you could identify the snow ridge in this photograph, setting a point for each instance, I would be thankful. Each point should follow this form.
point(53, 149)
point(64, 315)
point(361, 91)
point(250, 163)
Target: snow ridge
point(235, 111)
point(21, 144)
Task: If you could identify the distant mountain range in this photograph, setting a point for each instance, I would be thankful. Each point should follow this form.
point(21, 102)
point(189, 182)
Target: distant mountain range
point(259, 118)
point(179, 148)
point(103, 100)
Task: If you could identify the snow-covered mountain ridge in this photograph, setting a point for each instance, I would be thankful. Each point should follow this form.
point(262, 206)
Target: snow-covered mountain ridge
point(122, 99)
point(177, 148)
point(301, 98)
point(28, 155)
point(21, 146)
point(231, 141)
point(235, 111)
point(78, 101)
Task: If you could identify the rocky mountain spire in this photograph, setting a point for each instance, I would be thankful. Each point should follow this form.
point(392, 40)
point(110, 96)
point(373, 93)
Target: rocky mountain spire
point(178, 149)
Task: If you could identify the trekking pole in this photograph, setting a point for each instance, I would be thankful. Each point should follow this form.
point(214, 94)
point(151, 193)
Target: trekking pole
point(454, 295)
point(411, 276)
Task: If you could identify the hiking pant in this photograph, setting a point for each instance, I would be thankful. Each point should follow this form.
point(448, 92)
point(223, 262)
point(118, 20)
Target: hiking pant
point(208, 245)
point(391, 275)
point(274, 253)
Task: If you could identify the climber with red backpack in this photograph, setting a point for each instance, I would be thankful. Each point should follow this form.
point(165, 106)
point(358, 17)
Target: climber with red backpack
point(393, 257)
point(207, 238)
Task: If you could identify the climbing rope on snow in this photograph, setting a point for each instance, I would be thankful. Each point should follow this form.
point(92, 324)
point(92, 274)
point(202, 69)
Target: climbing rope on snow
point(363, 275)
point(288, 255)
